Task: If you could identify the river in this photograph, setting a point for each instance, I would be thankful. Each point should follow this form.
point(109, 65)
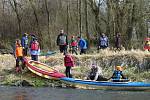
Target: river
point(47, 93)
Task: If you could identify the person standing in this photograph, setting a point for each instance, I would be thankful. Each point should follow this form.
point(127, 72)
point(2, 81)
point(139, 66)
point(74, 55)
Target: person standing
point(82, 45)
point(19, 55)
point(103, 42)
point(24, 43)
point(118, 41)
point(34, 49)
point(74, 45)
point(68, 62)
point(62, 42)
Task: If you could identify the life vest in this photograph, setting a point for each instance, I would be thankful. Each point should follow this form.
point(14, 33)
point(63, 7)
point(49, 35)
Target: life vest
point(19, 51)
point(117, 74)
point(93, 71)
point(34, 45)
point(103, 41)
point(73, 42)
point(147, 46)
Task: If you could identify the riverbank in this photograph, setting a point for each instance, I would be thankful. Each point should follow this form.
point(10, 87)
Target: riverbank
point(137, 67)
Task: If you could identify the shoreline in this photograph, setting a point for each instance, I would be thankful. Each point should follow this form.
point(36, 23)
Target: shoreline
point(138, 67)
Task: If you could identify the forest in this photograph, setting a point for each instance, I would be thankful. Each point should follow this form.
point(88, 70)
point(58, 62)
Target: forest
point(88, 18)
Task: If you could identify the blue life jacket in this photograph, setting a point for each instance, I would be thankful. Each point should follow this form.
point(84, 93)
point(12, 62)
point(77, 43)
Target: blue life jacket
point(117, 75)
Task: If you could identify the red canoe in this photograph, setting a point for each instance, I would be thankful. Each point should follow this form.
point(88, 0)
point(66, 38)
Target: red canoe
point(43, 70)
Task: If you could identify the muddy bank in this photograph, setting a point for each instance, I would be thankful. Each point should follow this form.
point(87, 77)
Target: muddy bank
point(137, 67)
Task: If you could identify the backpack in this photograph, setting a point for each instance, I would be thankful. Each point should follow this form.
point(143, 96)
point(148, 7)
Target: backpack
point(62, 40)
point(34, 45)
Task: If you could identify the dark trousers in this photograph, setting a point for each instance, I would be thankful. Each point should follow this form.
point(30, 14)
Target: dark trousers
point(100, 78)
point(68, 71)
point(34, 57)
point(25, 51)
point(83, 51)
point(63, 48)
point(74, 50)
point(18, 60)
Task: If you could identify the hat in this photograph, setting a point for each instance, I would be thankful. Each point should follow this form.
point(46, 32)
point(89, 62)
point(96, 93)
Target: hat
point(119, 68)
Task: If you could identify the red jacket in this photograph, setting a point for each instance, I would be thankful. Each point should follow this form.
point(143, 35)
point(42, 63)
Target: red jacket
point(68, 61)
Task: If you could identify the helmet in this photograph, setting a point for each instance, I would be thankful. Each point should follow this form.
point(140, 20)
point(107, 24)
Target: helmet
point(119, 68)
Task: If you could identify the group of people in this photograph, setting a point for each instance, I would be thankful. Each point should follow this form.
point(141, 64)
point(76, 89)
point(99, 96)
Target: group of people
point(74, 43)
point(95, 73)
point(79, 42)
point(22, 46)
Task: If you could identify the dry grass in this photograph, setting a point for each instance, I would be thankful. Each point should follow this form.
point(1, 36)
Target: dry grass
point(106, 59)
point(7, 62)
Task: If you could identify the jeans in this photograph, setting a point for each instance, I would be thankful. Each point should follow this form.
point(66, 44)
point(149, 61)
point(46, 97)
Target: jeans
point(34, 57)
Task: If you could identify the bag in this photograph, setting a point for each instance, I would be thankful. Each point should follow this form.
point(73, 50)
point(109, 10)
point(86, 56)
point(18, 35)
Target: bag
point(62, 40)
point(34, 45)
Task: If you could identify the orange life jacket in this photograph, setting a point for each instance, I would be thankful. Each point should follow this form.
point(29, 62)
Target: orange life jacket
point(19, 51)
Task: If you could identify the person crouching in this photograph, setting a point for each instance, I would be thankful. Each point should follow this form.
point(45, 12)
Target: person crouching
point(68, 63)
point(96, 74)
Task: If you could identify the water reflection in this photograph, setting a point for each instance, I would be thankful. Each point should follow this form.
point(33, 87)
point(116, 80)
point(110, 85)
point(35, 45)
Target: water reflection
point(22, 95)
point(17, 93)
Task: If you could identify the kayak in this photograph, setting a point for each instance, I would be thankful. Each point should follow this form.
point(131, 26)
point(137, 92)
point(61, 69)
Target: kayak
point(106, 85)
point(43, 70)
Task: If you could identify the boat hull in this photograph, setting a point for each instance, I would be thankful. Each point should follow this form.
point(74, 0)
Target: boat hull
point(43, 70)
point(106, 85)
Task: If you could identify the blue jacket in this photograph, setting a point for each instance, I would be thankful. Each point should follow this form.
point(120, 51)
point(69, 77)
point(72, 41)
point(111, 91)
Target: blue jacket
point(82, 44)
point(103, 41)
point(24, 41)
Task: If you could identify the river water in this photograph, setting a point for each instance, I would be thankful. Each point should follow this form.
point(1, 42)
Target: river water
point(21, 93)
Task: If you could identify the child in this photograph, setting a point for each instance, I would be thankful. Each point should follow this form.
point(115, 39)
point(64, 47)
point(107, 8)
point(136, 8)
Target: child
point(73, 45)
point(118, 75)
point(68, 62)
point(34, 49)
point(18, 54)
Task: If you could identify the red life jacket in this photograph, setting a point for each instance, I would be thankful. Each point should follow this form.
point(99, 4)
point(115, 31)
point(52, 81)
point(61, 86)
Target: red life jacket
point(34, 45)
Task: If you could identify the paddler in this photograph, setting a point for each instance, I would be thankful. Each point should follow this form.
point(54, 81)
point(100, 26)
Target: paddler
point(118, 74)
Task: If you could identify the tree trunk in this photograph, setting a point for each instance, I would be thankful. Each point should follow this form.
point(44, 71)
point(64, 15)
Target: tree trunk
point(15, 8)
point(48, 23)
